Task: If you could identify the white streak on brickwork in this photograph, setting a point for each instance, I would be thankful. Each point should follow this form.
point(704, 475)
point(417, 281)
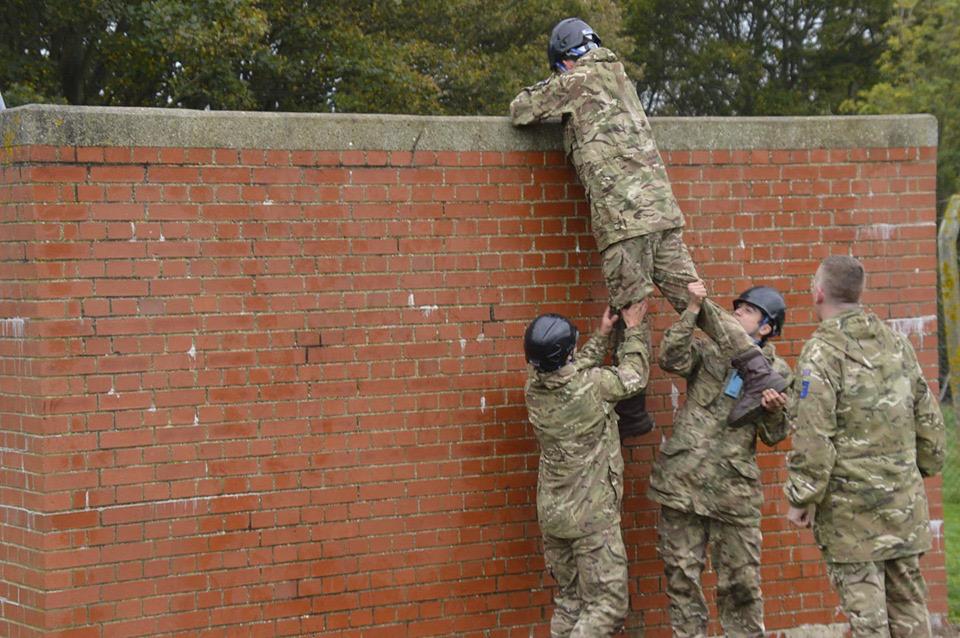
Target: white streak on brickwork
point(192, 352)
point(410, 301)
point(912, 325)
point(936, 528)
point(674, 398)
point(12, 327)
point(429, 310)
point(483, 404)
point(885, 232)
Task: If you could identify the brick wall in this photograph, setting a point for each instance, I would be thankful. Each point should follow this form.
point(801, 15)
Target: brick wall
point(261, 375)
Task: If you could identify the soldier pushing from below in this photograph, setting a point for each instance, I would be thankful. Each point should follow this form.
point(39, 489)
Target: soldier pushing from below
point(635, 218)
point(706, 477)
point(580, 481)
point(866, 430)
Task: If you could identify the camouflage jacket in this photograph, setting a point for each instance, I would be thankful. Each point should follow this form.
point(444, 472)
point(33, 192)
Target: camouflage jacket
point(707, 467)
point(609, 141)
point(866, 430)
point(580, 481)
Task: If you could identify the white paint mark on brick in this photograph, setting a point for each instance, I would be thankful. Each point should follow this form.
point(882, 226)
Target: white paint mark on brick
point(886, 232)
point(133, 232)
point(483, 404)
point(410, 301)
point(112, 392)
point(463, 345)
point(936, 528)
point(481, 337)
point(196, 417)
point(429, 310)
point(192, 352)
point(12, 327)
point(268, 202)
point(674, 398)
point(876, 231)
point(912, 325)
point(152, 408)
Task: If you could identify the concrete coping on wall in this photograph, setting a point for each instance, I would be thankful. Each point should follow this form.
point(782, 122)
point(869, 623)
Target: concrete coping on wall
point(52, 125)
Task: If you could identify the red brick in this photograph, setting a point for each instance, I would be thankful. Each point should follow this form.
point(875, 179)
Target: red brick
point(314, 408)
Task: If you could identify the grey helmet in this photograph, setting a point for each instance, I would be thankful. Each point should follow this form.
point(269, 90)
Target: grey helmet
point(571, 38)
point(768, 301)
point(549, 341)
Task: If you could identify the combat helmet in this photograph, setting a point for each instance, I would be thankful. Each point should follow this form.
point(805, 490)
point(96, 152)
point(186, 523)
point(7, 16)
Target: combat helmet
point(549, 341)
point(768, 301)
point(571, 38)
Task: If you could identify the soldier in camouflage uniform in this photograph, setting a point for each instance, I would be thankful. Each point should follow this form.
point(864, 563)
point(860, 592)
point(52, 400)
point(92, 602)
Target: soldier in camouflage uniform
point(706, 477)
point(866, 430)
point(580, 481)
point(635, 218)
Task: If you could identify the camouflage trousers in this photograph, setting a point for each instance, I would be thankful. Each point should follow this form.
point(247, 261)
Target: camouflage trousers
point(735, 554)
point(884, 599)
point(633, 266)
point(592, 598)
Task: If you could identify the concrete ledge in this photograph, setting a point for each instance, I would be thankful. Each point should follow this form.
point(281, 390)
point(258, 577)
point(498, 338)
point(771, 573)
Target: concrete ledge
point(101, 126)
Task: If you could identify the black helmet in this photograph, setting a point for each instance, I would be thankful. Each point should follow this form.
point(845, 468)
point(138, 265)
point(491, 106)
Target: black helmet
point(571, 38)
point(768, 301)
point(548, 342)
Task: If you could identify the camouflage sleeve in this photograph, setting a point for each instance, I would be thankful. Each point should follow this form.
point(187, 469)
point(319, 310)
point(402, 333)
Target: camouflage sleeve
point(773, 426)
point(928, 420)
point(812, 418)
point(680, 353)
point(630, 377)
point(549, 98)
point(593, 352)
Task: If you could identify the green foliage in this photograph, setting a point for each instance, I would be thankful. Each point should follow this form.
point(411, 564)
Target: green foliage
point(920, 73)
point(951, 512)
point(196, 53)
point(754, 57)
point(398, 56)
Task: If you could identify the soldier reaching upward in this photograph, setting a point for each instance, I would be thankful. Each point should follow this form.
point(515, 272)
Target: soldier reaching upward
point(866, 430)
point(706, 477)
point(635, 218)
point(580, 481)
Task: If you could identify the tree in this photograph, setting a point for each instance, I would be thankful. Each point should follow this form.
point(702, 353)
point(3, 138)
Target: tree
point(920, 73)
point(194, 54)
point(397, 56)
point(427, 56)
point(755, 57)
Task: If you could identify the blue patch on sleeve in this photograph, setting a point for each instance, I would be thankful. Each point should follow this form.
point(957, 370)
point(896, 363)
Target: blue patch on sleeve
point(805, 385)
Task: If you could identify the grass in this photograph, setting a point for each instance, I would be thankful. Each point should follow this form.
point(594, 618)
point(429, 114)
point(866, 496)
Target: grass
point(951, 513)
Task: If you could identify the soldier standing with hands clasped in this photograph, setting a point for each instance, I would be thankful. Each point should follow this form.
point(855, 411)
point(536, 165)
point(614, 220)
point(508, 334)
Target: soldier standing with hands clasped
point(866, 430)
point(706, 477)
point(635, 218)
point(580, 481)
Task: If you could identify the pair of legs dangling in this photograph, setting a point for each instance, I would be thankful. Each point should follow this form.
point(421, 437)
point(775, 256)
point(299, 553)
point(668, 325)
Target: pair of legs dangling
point(631, 268)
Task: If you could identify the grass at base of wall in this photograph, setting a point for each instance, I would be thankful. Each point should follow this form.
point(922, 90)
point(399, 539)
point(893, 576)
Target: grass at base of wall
point(951, 513)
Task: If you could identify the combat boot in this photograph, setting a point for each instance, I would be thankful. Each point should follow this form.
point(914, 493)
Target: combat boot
point(634, 420)
point(757, 376)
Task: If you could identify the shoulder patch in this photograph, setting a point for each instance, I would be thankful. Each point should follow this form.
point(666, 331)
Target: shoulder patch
point(805, 383)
